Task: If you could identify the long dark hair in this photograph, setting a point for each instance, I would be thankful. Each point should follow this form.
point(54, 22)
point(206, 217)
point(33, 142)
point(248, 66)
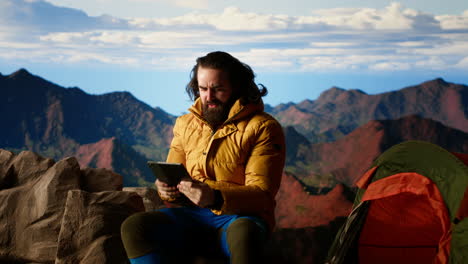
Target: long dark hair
point(240, 75)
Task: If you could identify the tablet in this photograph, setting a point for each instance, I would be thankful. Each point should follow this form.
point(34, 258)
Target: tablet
point(169, 173)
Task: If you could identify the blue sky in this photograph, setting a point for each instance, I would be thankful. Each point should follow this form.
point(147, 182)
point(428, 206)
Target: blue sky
point(298, 49)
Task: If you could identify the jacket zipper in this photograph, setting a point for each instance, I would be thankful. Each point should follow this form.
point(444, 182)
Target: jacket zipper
point(213, 132)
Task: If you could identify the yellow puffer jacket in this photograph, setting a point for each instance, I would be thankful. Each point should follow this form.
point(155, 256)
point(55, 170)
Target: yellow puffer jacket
point(243, 159)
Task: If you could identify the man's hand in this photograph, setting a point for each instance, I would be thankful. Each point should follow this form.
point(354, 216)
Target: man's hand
point(199, 193)
point(166, 192)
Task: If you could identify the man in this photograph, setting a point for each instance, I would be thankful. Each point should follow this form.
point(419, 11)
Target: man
point(235, 154)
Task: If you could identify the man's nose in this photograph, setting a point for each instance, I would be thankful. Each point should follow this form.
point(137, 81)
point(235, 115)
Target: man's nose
point(210, 95)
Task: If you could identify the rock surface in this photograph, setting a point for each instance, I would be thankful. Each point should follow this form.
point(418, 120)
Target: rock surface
point(296, 208)
point(150, 197)
point(90, 230)
point(57, 212)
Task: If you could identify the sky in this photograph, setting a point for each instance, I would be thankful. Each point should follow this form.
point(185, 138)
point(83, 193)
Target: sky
point(297, 48)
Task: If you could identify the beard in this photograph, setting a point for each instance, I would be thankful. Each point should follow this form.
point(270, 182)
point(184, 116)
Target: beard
point(217, 115)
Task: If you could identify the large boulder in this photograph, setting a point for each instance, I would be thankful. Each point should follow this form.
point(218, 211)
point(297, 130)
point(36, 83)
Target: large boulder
point(101, 179)
point(57, 212)
point(32, 208)
point(150, 196)
point(90, 230)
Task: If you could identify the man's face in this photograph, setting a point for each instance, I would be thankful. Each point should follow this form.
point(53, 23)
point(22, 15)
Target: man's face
point(215, 94)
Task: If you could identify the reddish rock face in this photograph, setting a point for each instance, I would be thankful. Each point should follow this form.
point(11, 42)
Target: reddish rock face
point(112, 154)
point(296, 208)
point(346, 159)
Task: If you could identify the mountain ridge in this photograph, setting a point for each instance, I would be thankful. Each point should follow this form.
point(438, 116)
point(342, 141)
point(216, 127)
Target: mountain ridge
point(328, 163)
point(56, 122)
point(348, 109)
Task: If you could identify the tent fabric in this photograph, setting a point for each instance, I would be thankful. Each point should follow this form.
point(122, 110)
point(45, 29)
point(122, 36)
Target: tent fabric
point(463, 209)
point(409, 212)
point(345, 241)
point(366, 179)
point(448, 172)
point(461, 156)
point(396, 234)
point(413, 208)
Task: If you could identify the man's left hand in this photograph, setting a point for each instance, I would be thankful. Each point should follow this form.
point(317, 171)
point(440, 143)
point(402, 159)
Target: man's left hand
point(199, 193)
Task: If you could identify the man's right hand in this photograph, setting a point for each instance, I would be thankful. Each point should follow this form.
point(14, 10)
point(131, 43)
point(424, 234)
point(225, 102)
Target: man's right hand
point(166, 192)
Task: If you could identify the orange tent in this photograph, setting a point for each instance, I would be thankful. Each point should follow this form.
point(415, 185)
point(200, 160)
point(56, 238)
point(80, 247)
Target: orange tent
point(412, 207)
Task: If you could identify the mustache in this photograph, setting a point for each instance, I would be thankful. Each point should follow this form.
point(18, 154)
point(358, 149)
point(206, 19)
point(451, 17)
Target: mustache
point(216, 102)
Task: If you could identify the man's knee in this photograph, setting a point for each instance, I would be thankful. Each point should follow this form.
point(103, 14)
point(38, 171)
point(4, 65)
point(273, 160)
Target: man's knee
point(138, 232)
point(245, 239)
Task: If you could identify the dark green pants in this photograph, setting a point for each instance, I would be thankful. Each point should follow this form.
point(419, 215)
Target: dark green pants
point(176, 235)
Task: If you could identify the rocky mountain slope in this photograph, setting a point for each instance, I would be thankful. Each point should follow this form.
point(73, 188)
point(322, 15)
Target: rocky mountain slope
point(345, 160)
point(118, 132)
point(337, 112)
point(58, 122)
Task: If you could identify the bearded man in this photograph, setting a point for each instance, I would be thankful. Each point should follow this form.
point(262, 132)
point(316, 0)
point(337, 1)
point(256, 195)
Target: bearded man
point(234, 153)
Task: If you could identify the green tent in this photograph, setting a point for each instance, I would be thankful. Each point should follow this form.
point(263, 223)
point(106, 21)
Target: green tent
point(411, 207)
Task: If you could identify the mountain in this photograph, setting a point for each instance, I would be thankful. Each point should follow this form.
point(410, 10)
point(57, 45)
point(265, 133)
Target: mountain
point(298, 207)
point(315, 188)
point(345, 160)
point(56, 121)
point(119, 132)
point(112, 154)
point(337, 112)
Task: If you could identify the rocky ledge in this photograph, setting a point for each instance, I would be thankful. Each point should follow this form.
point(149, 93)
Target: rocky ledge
point(57, 212)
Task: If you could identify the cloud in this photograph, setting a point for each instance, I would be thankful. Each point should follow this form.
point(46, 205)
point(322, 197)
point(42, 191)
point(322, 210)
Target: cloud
point(454, 22)
point(463, 63)
point(194, 4)
point(393, 17)
point(393, 38)
point(391, 66)
point(231, 19)
point(36, 16)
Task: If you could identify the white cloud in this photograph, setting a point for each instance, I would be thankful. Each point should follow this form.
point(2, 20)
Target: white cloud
point(192, 4)
point(463, 63)
point(454, 22)
point(35, 17)
point(391, 66)
point(195, 4)
point(411, 44)
point(344, 39)
point(231, 19)
point(393, 17)
point(66, 37)
point(434, 63)
point(453, 47)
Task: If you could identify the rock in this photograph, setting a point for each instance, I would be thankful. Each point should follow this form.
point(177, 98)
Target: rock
point(296, 208)
point(32, 211)
point(90, 230)
point(101, 179)
point(28, 166)
point(150, 196)
point(6, 171)
point(5, 157)
point(56, 212)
